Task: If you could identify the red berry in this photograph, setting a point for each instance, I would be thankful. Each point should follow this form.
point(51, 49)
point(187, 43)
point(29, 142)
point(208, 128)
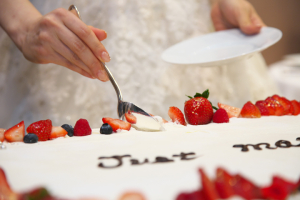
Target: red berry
point(41, 128)
point(244, 188)
point(287, 105)
point(262, 106)
point(5, 190)
point(82, 128)
point(296, 106)
point(2, 134)
point(57, 131)
point(15, 133)
point(249, 110)
point(176, 115)
point(208, 187)
point(130, 118)
point(198, 111)
point(223, 184)
point(279, 109)
point(117, 124)
point(220, 116)
point(231, 111)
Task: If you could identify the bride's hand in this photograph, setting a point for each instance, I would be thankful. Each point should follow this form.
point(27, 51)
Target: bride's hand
point(241, 14)
point(62, 38)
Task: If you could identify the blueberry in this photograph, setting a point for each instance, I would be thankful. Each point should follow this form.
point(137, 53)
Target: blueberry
point(69, 129)
point(31, 138)
point(106, 129)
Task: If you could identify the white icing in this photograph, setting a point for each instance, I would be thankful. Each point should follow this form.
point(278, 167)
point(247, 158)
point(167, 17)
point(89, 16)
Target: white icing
point(68, 167)
point(146, 123)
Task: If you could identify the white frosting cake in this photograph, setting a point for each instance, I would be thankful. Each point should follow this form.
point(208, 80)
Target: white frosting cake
point(69, 167)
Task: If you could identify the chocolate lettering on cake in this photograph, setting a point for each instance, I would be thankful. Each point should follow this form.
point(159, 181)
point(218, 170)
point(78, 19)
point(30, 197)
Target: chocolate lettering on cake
point(117, 158)
point(279, 143)
point(184, 156)
point(134, 161)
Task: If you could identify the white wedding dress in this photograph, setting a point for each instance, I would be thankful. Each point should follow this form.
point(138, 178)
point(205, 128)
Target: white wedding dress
point(138, 32)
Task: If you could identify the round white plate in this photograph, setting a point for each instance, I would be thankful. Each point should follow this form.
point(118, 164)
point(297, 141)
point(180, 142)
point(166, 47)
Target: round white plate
point(220, 48)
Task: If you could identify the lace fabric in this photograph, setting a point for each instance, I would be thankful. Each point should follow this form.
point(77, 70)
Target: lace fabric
point(138, 32)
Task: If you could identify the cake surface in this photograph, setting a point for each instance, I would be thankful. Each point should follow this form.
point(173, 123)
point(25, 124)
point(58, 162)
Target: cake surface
point(160, 165)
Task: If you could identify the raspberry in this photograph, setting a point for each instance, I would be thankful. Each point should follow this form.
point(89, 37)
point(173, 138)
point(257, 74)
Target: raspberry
point(82, 128)
point(221, 116)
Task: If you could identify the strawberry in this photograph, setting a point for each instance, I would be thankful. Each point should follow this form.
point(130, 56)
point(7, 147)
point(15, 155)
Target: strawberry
point(130, 118)
point(132, 196)
point(244, 188)
point(82, 128)
point(5, 190)
point(117, 124)
point(15, 133)
point(223, 184)
point(198, 110)
point(57, 131)
point(262, 106)
point(287, 105)
point(176, 115)
point(220, 116)
point(279, 109)
point(2, 134)
point(231, 111)
point(41, 128)
point(249, 110)
point(296, 105)
point(208, 187)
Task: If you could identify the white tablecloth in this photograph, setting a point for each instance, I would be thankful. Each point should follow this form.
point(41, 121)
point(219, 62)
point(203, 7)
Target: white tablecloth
point(286, 74)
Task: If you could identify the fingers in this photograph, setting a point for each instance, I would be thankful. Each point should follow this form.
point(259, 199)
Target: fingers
point(100, 34)
point(217, 18)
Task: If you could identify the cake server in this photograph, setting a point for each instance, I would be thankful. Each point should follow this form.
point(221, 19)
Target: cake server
point(145, 121)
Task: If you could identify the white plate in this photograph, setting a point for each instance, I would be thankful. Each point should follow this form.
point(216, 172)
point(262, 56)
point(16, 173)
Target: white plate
point(220, 48)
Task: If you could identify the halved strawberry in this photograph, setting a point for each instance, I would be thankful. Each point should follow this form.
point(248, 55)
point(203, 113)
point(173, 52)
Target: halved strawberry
point(208, 187)
point(287, 105)
point(176, 115)
point(2, 134)
point(244, 188)
point(117, 124)
point(5, 190)
point(231, 111)
point(57, 131)
point(249, 110)
point(279, 109)
point(130, 117)
point(296, 106)
point(41, 128)
point(262, 106)
point(15, 133)
point(223, 184)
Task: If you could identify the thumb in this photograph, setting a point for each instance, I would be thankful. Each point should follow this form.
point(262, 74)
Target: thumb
point(249, 23)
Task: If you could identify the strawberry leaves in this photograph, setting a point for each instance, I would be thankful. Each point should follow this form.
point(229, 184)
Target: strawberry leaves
point(205, 95)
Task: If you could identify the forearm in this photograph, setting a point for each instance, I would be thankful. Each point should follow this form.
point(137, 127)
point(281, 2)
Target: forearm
point(15, 17)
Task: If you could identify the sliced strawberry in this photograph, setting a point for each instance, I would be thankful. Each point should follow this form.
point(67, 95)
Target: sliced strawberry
point(5, 190)
point(296, 105)
point(231, 111)
point(249, 110)
point(277, 190)
point(130, 118)
point(15, 133)
point(287, 105)
point(222, 184)
point(245, 188)
point(197, 195)
point(208, 187)
point(41, 128)
point(117, 124)
point(279, 109)
point(262, 106)
point(176, 115)
point(57, 131)
point(2, 134)
point(221, 116)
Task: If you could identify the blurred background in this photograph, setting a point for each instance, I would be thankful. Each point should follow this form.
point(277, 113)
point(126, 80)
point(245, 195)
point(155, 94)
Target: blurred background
point(284, 15)
point(283, 58)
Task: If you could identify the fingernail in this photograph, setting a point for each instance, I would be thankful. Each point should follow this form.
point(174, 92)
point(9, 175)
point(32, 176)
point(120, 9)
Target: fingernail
point(102, 75)
point(105, 57)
